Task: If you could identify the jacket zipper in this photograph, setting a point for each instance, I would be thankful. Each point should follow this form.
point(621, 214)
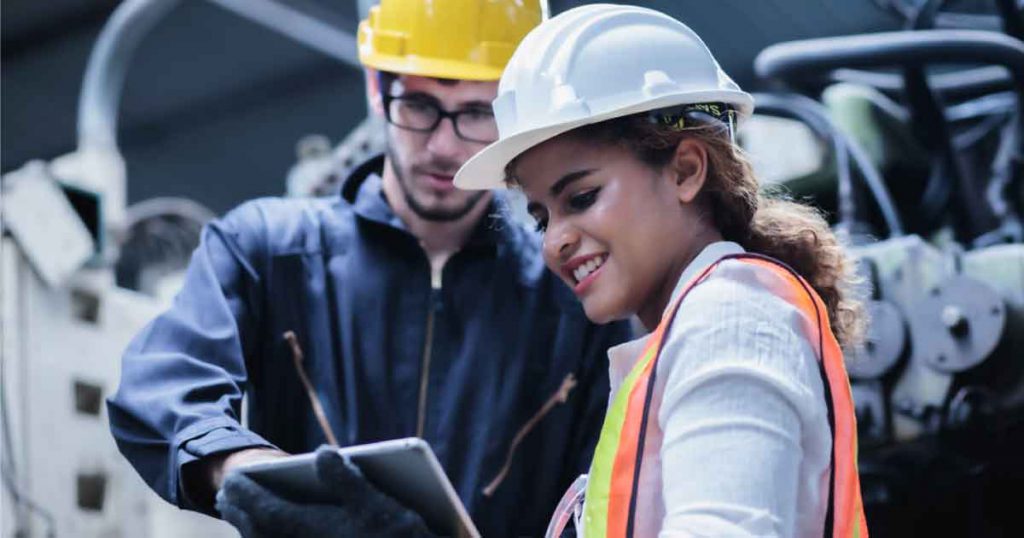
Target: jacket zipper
point(428, 343)
point(560, 396)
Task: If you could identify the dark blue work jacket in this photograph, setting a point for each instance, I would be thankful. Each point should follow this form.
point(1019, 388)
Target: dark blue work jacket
point(470, 363)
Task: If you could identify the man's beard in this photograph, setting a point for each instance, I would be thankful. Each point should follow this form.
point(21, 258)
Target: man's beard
point(427, 213)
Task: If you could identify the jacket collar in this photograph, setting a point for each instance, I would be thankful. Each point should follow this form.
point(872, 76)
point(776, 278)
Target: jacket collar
point(363, 190)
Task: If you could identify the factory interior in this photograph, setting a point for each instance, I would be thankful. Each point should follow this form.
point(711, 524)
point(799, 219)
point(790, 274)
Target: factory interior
point(129, 126)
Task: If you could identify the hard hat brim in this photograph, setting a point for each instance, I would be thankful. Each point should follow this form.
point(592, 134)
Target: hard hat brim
point(429, 67)
point(486, 170)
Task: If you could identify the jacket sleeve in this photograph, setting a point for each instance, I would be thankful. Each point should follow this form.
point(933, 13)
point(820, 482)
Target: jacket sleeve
point(184, 375)
point(594, 389)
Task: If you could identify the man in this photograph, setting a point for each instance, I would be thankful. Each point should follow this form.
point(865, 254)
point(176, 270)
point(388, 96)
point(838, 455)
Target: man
point(394, 301)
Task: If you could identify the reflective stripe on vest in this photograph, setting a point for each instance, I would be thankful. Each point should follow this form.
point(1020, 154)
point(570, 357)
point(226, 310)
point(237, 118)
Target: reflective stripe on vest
point(614, 473)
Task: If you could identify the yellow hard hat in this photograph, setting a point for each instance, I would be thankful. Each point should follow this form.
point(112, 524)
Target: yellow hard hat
point(455, 39)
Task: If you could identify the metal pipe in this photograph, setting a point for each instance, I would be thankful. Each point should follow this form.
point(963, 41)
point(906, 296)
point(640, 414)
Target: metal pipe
point(107, 66)
point(796, 60)
point(812, 114)
point(133, 20)
point(298, 25)
point(955, 85)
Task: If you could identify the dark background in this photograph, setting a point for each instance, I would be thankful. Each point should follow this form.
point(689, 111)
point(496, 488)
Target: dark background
point(214, 103)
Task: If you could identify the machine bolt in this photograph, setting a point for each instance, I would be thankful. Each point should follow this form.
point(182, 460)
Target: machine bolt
point(954, 320)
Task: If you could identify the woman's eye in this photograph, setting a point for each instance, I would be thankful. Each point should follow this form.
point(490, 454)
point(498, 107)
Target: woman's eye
point(542, 224)
point(583, 200)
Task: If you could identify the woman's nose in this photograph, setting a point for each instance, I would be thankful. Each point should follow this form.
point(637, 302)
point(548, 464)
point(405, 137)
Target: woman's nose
point(560, 241)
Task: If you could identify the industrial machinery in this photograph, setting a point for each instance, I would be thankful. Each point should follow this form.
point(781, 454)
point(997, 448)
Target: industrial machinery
point(925, 128)
point(923, 137)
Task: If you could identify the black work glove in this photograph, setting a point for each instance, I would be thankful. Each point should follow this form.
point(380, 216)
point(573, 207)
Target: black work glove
point(356, 509)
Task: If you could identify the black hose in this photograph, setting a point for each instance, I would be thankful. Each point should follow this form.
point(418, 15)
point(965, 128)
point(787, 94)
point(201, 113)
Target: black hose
point(814, 115)
point(1013, 18)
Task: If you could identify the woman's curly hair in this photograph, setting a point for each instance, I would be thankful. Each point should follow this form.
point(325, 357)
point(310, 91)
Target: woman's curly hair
point(767, 224)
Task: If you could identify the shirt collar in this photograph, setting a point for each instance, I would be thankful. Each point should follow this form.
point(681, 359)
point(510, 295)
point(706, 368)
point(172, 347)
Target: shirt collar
point(709, 255)
point(623, 357)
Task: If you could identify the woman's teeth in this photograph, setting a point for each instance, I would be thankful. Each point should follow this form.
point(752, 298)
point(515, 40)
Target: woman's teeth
point(584, 270)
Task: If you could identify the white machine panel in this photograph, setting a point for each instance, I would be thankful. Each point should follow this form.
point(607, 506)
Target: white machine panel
point(61, 350)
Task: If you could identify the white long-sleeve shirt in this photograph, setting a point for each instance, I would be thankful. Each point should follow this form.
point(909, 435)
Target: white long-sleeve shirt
point(743, 442)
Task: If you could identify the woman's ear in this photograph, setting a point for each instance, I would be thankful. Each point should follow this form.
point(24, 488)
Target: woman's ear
point(373, 97)
point(689, 167)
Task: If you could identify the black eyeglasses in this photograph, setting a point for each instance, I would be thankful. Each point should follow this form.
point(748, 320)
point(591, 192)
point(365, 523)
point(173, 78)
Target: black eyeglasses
point(422, 115)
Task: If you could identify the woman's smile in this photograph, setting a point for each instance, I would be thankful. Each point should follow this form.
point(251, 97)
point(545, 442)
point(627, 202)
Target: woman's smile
point(606, 217)
point(581, 271)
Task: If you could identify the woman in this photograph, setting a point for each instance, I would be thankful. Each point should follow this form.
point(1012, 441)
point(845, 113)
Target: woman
point(734, 417)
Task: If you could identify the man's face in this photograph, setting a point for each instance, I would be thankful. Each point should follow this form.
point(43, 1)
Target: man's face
point(424, 163)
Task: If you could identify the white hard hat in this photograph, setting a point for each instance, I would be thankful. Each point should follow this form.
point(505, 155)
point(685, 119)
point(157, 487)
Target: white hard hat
point(594, 63)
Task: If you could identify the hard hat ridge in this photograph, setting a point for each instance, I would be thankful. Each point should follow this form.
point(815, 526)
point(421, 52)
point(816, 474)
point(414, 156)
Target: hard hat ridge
point(595, 63)
point(453, 39)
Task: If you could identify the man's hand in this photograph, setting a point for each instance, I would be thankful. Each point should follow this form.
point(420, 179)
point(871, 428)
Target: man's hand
point(202, 479)
point(219, 468)
point(356, 507)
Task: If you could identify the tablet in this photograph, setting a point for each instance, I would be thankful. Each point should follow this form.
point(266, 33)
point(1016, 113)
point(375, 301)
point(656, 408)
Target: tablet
point(405, 469)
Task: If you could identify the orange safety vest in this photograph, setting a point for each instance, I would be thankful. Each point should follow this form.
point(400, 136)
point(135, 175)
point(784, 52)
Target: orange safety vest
point(611, 493)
